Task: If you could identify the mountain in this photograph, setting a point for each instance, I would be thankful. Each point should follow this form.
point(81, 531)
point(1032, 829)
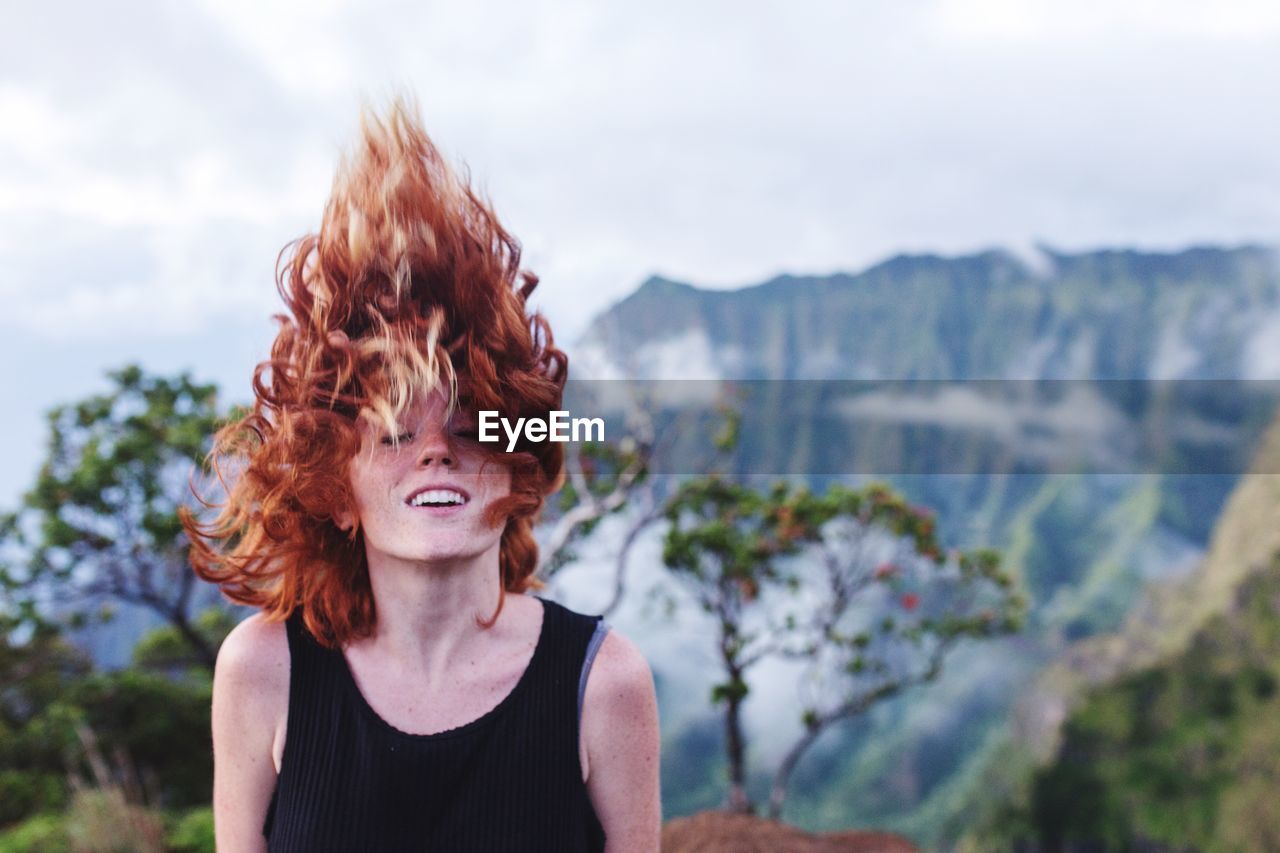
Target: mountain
point(1201, 313)
point(1182, 754)
point(1245, 538)
point(1085, 546)
point(1182, 644)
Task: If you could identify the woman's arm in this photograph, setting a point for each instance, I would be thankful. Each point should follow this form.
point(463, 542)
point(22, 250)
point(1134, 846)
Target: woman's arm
point(620, 730)
point(250, 706)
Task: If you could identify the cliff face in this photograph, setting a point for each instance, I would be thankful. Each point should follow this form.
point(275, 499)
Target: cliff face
point(1180, 754)
point(1165, 618)
point(1085, 547)
point(1201, 313)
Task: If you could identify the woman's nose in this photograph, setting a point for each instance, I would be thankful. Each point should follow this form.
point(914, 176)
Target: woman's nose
point(435, 448)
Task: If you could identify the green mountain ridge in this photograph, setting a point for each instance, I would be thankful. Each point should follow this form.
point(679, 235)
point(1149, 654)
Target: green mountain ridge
point(1112, 313)
point(1182, 754)
point(1085, 546)
point(1164, 640)
point(1167, 615)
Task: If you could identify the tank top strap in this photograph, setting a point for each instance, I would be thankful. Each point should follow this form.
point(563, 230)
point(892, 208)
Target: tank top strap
point(315, 671)
point(312, 677)
point(305, 651)
point(570, 639)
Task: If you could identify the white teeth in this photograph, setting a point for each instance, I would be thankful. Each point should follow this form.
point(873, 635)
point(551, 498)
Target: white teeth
point(438, 496)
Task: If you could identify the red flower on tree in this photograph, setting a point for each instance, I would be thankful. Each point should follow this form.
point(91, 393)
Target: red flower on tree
point(885, 570)
point(910, 601)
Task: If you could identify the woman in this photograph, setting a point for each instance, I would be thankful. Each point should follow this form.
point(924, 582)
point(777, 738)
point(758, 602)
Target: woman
point(399, 688)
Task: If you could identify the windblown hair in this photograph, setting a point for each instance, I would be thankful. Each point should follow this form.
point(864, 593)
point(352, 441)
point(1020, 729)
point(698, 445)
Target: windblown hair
point(410, 285)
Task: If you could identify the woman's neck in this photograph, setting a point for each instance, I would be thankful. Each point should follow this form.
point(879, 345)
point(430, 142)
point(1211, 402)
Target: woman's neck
point(426, 613)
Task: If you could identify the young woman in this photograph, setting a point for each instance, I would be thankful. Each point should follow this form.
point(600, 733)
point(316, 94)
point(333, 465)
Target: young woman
point(400, 688)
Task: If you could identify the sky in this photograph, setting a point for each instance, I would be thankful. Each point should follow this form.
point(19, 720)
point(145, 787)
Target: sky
point(155, 157)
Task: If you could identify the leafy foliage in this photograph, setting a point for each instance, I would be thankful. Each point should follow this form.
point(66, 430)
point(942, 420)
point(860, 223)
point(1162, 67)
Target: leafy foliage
point(156, 729)
point(1183, 754)
point(601, 478)
point(193, 832)
point(100, 524)
point(34, 721)
point(791, 574)
point(166, 650)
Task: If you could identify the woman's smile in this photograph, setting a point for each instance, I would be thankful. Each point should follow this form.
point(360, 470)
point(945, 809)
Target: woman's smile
point(440, 510)
point(438, 495)
point(437, 476)
point(439, 500)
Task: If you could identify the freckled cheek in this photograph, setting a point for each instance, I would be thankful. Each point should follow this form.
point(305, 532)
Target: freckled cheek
point(369, 487)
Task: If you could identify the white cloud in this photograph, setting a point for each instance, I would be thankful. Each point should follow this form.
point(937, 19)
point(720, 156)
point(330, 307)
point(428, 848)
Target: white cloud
point(304, 45)
point(1040, 21)
point(690, 139)
point(154, 157)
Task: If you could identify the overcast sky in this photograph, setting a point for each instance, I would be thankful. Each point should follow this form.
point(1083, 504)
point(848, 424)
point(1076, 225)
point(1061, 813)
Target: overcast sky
point(155, 156)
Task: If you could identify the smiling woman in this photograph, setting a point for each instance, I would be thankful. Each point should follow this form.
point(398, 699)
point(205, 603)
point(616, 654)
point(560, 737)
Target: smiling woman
point(421, 516)
point(400, 688)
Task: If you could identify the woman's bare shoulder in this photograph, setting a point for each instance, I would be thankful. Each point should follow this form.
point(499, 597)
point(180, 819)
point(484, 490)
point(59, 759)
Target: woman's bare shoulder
point(255, 658)
point(250, 706)
point(622, 745)
point(620, 675)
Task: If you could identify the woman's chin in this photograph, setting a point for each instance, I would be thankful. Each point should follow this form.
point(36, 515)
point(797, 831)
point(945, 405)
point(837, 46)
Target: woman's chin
point(443, 555)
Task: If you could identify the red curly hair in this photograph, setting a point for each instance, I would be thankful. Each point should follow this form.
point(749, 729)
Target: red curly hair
point(410, 285)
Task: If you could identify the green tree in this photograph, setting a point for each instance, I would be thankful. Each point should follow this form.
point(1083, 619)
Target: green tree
point(884, 606)
point(852, 583)
point(35, 722)
point(791, 574)
point(1184, 754)
point(721, 541)
point(100, 525)
point(153, 729)
point(603, 478)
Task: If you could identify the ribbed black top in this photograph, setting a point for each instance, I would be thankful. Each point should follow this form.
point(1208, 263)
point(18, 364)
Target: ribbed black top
point(508, 781)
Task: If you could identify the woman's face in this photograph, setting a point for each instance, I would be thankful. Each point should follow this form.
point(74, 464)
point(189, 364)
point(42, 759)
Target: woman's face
point(424, 500)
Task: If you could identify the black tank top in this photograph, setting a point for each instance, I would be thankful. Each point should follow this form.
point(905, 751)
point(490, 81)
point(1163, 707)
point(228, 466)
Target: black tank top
point(508, 781)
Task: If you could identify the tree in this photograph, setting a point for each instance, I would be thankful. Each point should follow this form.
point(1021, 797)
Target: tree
point(100, 525)
point(34, 729)
point(853, 584)
point(601, 478)
point(722, 542)
point(889, 607)
point(150, 731)
point(606, 478)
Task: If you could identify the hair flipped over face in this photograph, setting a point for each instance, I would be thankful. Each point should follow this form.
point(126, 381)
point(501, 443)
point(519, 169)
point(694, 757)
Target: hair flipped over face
point(410, 285)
